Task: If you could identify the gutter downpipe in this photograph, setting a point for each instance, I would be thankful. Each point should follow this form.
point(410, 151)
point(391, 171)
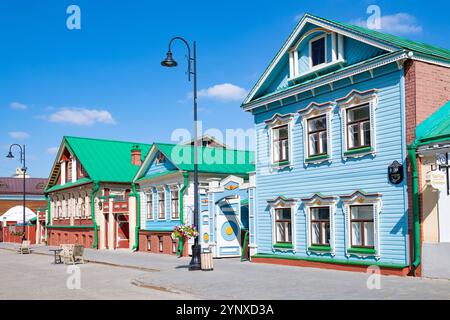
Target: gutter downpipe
point(185, 185)
point(138, 218)
point(412, 149)
point(94, 222)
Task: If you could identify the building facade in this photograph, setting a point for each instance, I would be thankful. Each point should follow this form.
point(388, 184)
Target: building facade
point(91, 198)
point(334, 113)
point(166, 185)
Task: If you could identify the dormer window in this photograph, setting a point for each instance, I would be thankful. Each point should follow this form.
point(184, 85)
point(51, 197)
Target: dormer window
point(318, 51)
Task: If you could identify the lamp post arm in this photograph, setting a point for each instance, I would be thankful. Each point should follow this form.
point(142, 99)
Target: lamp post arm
point(189, 54)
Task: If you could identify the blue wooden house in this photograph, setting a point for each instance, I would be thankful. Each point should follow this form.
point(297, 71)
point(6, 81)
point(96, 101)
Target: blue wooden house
point(330, 117)
point(166, 196)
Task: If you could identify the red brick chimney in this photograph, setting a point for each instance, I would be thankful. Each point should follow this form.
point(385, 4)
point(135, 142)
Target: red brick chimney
point(136, 155)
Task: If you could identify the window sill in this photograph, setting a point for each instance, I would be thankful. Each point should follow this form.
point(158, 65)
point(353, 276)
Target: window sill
point(320, 248)
point(317, 159)
point(283, 246)
point(361, 251)
point(281, 165)
point(358, 151)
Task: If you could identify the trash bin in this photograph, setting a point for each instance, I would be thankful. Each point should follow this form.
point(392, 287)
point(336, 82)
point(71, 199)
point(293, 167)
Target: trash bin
point(206, 260)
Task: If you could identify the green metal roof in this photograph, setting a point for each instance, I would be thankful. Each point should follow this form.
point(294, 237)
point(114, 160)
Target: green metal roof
point(211, 160)
point(103, 160)
point(106, 160)
point(436, 126)
point(416, 46)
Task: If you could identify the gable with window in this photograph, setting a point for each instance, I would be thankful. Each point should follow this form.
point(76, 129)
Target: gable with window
point(316, 121)
point(362, 212)
point(280, 136)
point(358, 123)
point(283, 212)
point(320, 219)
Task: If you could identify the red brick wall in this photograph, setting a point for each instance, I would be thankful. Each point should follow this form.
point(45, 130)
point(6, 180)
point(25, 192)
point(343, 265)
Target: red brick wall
point(33, 205)
point(427, 88)
point(144, 236)
point(71, 236)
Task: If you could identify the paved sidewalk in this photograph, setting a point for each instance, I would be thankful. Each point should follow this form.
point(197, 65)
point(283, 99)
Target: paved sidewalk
point(232, 279)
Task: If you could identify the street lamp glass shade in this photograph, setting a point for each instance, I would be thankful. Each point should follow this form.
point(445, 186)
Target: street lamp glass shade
point(169, 62)
point(10, 155)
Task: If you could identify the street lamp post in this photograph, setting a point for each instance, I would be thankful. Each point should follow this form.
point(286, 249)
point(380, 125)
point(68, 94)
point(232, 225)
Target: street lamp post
point(170, 62)
point(24, 170)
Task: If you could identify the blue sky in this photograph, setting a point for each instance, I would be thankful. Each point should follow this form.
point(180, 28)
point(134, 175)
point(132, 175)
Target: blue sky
point(106, 81)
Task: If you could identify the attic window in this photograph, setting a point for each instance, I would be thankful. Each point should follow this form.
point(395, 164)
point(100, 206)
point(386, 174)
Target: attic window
point(160, 158)
point(318, 51)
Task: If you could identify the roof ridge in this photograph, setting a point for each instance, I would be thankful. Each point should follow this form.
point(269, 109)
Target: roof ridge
point(107, 140)
point(188, 145)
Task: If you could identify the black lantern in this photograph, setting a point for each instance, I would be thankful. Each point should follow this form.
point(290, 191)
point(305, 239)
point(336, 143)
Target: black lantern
point(395, 172)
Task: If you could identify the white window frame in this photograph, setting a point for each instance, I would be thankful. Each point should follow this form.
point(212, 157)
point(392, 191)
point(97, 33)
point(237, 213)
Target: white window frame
point(317, 201)
point(280, 203)
point(276, 121)
point(311, 67)
point(174, 189)
point(149, 195)
point(362, 199)
point(314, 110)
point(158, 191)
point(354, 99)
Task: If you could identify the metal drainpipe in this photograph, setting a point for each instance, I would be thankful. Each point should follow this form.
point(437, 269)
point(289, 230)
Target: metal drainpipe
point(185, 185)
point(94, 191)
point(415, 200)
point(138, 218)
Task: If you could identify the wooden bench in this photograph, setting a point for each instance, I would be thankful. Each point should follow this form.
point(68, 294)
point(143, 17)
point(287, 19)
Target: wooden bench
point(72, 253)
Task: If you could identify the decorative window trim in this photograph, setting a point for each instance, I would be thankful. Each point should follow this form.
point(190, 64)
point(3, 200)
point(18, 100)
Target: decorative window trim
point(275, 121)
point(356, 198)
point(315, 201)
point(353, 99)
point(282, 202)
point(318, 66)
point(314, 110)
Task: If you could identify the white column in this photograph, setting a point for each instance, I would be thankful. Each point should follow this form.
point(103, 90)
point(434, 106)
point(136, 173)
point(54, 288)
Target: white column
point(111, 222)
point(291, 65)
point(340, 47)
point(63, 172)
point(333, 47)
point(295, 63)
point(74, 169)
point(132, 213)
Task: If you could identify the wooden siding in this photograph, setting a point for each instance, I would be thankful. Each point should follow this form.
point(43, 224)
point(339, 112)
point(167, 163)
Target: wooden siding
point(341, 176)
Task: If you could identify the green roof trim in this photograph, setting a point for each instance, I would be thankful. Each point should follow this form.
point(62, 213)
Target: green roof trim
point(436, 126)
point(68, 185)
point(419, 47)
point(210, 160)
point(157, 175)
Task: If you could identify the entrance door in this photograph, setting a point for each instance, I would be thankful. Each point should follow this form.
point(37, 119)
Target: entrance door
point(228, 224)
point(122, 231)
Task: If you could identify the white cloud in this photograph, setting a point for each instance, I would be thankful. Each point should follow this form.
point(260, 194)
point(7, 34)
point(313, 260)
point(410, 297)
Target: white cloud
point(81, 116)
point(53, 150)
point(18, 106)
point(399, 23)
point(224, 92)
point(20, 135)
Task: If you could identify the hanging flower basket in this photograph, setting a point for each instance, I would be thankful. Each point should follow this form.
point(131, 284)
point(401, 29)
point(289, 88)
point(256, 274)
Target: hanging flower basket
point(184, 231)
